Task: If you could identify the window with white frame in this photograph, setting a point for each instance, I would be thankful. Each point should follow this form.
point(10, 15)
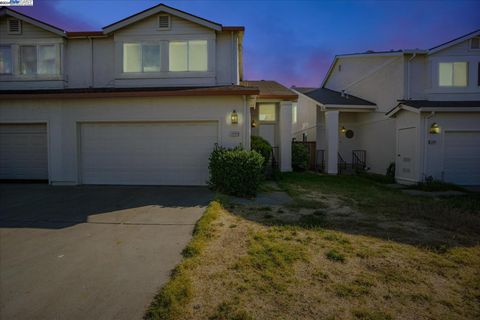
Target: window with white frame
point(141, 57)
point(5, 60)
point(267, 112)
point(188, 55)
point(39, 60)
point(452, 74)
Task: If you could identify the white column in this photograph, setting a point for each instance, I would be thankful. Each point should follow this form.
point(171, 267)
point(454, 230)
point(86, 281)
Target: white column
point(331, 131)
point(249, 105)
point(285, 129)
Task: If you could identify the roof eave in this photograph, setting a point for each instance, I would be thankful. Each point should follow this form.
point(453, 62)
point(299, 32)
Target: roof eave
point(157, 9)
point(453, 42)
point(33, 21)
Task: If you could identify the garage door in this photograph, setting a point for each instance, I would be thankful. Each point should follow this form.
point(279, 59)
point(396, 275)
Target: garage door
point(462, 157)
point(147, 153)
point(23, 151)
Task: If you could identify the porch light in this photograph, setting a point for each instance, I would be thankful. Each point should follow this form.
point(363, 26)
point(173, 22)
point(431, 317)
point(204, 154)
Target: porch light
point(234, 117)
point(254, 123)
point(343, 130)
point(434, 128)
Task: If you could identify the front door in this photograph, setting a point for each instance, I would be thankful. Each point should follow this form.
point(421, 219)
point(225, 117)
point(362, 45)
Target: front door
point(267, 132)
point(406, 155)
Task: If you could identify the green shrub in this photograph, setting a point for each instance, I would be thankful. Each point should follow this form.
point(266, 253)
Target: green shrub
point(235, 171)
point(262, 146)
point(299, 157)
point(391, 170)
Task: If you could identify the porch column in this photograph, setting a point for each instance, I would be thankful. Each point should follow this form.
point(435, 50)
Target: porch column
point(331, 131)
point(285, 130)
point(249, 105)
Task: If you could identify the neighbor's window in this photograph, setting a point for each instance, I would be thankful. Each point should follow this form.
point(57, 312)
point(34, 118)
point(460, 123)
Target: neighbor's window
point(188, 55)
point(41, 60)
point(267, 112)
point(141, 57)
point(294, 113)
point(5, 60)
point(452, 74)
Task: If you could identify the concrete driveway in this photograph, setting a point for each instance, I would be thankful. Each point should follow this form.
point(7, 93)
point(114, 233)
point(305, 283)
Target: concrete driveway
point(90, 252)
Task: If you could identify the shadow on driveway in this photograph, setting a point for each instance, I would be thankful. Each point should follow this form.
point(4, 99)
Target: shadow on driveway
point(44, 206)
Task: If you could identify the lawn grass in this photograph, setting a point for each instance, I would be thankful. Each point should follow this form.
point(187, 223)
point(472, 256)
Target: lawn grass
point(347, 258)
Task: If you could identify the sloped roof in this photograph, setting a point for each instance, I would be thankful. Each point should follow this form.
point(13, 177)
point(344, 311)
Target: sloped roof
point(428, 105)
point(121, 23)
point(129, 92)
point(271, 90)
point(454, 41)
point(43, 25)
point(330, 97)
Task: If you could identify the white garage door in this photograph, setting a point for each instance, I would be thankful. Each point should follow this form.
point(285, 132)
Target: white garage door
point(147, 153)
point(23, 151)
point(462, 157)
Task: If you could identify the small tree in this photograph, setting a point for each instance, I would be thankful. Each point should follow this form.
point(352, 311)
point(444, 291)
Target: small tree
point(299, 157)
point(263, 147)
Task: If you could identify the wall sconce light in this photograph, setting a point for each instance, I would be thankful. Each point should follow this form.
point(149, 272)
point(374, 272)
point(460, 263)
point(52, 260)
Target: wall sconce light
point(343, 130)
point(254, 123)
point(434, 128)
point(234, 117)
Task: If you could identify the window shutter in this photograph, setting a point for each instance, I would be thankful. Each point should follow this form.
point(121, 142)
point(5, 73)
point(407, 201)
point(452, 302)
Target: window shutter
point(14, 26)
point(163, 22)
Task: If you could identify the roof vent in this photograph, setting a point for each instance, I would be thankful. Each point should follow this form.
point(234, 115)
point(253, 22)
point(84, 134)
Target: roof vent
point(475, 43)
point(14, 26)
point(164, 22)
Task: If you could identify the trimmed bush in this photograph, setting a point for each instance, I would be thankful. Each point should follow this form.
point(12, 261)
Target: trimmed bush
point(235, 171)
point(299, 157)
point(263, 147)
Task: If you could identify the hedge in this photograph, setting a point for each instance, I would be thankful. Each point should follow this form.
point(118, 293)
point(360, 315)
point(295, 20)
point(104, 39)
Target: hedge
point(235, 171)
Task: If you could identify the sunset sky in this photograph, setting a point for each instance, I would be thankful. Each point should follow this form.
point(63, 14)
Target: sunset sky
point(292, 42)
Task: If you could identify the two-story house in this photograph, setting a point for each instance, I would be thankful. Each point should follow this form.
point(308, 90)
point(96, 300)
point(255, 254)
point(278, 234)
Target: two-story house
point(419, 109)
point(142, 101)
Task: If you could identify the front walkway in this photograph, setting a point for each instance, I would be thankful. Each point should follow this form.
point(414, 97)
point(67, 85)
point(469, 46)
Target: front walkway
point(90, 252)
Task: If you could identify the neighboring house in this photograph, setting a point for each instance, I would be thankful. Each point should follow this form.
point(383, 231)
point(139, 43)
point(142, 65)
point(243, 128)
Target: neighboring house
point(141, 102)
point(417, 108)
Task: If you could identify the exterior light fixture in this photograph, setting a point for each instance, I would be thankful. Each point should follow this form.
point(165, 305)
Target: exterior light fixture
point(234, 117)
point(343, 130)
point(254, 123)
point(434, 128)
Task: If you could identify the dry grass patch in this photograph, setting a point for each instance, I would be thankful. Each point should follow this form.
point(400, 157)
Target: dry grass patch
point(248, 262)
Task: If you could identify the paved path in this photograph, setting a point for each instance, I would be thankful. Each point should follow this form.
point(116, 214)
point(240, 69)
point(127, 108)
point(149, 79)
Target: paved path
point(90, 252)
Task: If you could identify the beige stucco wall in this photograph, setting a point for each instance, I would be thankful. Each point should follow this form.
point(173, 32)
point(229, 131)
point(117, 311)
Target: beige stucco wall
point(306, 119)
point(63, 116)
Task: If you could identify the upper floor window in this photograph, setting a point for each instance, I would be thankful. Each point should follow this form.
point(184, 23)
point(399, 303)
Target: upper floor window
point(39, 60)
point(267, 112)
point(141, 57)
point(452, 74)
point(5, 60)
point(188, 55)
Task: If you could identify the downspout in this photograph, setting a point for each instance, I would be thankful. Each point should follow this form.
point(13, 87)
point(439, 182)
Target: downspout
point(91, 63)
point(408, 75)
point(425, 121)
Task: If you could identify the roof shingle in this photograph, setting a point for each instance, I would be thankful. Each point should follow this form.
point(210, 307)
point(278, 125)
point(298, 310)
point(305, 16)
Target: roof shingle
point(271, 90)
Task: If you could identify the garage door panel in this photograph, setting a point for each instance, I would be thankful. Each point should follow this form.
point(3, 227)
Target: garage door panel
point(147, 153)
point(23, 151)
point(462, 157)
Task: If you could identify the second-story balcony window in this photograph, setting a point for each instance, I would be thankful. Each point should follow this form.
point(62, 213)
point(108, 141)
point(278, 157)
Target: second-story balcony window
point(452, 74)
point(39, 60)
point(141, 57)
point(188, 55)
point(5, 60)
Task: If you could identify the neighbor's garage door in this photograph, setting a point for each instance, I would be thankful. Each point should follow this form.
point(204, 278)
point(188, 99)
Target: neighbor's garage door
point(147, 153)
point(462, 157)
point(23, 151)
